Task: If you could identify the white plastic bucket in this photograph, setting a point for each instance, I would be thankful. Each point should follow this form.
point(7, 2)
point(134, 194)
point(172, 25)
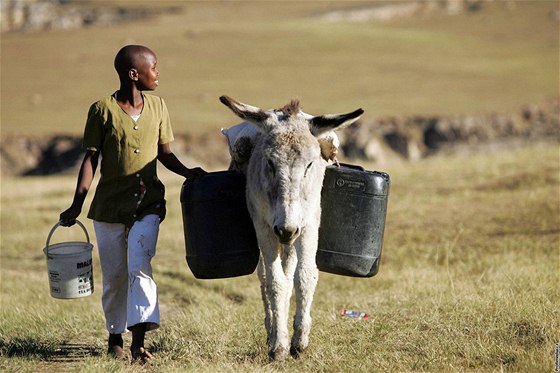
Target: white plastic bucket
point(70, 267)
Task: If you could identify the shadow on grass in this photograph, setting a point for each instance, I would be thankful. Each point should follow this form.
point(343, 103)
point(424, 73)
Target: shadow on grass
point(45, 350)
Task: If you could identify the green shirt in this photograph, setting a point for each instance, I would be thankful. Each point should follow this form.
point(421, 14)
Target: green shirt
point(129, 188)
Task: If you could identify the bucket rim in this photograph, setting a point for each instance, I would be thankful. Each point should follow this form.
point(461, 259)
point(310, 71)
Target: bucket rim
point(58, 224)
point(86, 247)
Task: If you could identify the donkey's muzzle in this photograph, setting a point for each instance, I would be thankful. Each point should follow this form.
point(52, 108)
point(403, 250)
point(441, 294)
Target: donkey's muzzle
point(286, 235)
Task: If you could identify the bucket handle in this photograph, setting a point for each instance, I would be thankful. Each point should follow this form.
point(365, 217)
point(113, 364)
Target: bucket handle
point(58, 225)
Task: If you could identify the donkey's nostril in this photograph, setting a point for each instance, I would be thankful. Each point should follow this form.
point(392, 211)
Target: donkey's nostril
point(286, 234)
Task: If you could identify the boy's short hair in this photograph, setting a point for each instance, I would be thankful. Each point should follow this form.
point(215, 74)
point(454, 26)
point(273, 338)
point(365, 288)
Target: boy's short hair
point(127, 58)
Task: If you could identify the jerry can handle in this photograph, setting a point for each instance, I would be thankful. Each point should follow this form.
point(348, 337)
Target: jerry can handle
point(58, 225)
point(352, 166)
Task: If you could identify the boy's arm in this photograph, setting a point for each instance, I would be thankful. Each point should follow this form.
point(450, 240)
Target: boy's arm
point(85, 178)
point(170, 161)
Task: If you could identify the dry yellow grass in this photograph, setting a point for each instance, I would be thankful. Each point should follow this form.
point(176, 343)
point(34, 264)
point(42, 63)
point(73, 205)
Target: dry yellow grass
point(468, 282)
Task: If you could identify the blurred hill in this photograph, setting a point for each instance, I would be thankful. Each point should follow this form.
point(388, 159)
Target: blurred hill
point(40, 15)
point(428, 74)
point(390, 139)
point(383, 141)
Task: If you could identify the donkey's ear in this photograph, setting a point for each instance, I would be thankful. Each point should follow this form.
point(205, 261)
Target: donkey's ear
point(325, 123)
point(244, 111)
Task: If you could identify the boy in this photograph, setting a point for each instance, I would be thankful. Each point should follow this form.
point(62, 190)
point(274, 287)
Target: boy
point(130, 130)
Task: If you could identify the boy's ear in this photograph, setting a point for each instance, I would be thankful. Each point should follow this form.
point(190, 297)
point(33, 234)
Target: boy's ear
point(133, 74)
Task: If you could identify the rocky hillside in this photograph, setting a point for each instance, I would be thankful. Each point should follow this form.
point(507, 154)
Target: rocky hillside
point(39, 15)
point(36, 156)
point(381, 141)
point(411, 138)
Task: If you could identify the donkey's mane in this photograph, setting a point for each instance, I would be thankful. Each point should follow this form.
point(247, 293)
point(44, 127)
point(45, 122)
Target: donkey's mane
point(292, 108)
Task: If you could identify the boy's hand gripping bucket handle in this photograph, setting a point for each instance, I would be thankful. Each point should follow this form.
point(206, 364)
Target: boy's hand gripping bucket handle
point(58, 225)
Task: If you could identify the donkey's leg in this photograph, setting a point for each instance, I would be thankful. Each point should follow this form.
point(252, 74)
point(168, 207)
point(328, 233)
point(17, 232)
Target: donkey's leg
point(306, 277)
point(289, 263)
point(266, 301)
point(276, 289)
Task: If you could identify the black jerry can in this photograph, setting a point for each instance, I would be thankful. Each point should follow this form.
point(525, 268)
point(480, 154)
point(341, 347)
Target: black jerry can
point(220, 239)
point(353, 212)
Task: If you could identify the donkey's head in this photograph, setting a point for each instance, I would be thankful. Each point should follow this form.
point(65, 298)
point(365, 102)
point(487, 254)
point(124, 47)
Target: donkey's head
point(285, 171)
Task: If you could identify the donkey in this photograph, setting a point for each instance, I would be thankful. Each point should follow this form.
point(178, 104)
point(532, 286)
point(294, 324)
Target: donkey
point(284, 179)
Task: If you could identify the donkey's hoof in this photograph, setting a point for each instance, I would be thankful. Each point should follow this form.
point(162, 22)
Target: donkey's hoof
point(296, 352)
point(278, 354)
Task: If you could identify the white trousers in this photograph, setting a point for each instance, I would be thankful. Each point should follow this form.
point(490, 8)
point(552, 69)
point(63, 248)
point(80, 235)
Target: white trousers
point(129, 291)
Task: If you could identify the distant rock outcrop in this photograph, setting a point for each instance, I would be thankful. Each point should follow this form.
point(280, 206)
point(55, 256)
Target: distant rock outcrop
point(382, 141)
point(60, 154)
point(415, 137)
point(390, 11)
point(38, 15)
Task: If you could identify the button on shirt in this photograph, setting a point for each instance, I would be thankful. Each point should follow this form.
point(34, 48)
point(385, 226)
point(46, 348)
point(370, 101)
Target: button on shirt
point(128, 188)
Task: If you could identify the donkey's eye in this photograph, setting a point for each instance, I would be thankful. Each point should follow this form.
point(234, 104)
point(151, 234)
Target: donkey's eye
point(271, 167)
point(308, 167)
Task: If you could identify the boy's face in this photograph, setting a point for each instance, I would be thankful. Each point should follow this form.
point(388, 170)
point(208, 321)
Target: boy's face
point(147, 72)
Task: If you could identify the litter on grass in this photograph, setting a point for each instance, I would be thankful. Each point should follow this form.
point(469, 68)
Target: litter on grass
point(351, 314)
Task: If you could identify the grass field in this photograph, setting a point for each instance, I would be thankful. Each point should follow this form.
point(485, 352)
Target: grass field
point(468, 282)
point(266, 53)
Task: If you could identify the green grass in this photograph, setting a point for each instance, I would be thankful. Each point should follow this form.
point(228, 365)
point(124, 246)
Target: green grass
point(266, 53)
point(468, 282)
